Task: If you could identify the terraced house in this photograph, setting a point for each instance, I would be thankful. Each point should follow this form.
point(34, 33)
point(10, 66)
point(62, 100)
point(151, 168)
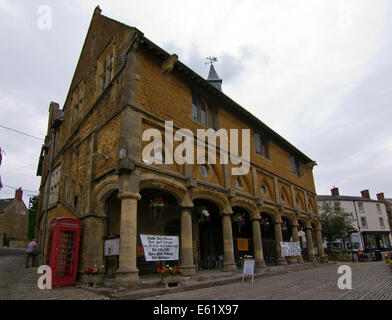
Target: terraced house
point(93, 169)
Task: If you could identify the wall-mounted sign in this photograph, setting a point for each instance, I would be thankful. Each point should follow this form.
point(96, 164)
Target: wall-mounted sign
point(160, 248)
point(290, 249)
point(112, 247)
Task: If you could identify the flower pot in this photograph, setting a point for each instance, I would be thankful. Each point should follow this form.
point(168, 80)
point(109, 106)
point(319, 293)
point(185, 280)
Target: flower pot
point(171, 281)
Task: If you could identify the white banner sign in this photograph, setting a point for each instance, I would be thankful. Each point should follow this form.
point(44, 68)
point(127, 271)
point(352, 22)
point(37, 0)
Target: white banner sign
point(160, 248)
point(290, 249)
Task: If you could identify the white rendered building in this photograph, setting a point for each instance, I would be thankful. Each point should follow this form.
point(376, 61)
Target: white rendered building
point(370, 219)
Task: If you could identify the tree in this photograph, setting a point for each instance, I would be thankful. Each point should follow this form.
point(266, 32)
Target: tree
point(336, 222)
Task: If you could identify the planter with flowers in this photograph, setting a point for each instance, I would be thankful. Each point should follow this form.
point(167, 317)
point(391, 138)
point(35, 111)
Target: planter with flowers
point(170, 276)
point(264, 222)
point(94, 276)
point(240, 219)
point(204, 215)
point(158, 204)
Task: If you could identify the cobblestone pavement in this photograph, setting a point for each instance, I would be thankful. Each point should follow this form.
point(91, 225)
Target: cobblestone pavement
point(370, 281)
point(19, 283)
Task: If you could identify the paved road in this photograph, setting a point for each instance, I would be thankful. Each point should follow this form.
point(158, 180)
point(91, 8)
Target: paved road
point(19, 283)
point(370, 281)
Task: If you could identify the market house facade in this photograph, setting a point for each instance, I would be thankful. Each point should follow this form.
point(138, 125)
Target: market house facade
point(92, 167)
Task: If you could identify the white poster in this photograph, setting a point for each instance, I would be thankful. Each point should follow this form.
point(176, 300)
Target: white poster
point(160, 248)
point(290, 249)
point(249, 267)
point(112, 247)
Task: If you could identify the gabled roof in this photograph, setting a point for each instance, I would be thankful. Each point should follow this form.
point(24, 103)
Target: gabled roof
point(343, 198)
point(4, 203)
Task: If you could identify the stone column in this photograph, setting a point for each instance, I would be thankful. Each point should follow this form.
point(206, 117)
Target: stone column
point(319, 241)
point(309, 244)
point(127, 270)
point(257, 243)
point(294, 232)
point(228, 249)
point(278, 239)
point(187, 262)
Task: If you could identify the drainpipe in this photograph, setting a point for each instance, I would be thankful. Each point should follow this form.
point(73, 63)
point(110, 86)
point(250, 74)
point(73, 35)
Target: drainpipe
point(43, 240)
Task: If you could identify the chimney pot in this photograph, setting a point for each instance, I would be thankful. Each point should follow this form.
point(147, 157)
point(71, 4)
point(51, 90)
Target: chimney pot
point(380, 196)
point(335, 191)
point(365, 194)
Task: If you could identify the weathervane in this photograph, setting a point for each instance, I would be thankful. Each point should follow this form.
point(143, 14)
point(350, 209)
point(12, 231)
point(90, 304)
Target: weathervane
point(211, 60)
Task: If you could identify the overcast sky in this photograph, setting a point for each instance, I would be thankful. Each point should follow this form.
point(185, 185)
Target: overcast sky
point(317, 72)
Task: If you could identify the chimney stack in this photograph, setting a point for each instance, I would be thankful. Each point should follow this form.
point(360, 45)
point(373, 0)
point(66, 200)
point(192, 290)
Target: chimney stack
point(380, 197)
point(365, 194)
point(335, 191)
point(19, 194)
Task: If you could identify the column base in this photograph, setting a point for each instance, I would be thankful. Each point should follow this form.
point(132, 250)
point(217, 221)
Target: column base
point(282, 261)
point(260, 264)
point(300, 260)
point(189, 270)
point(127, 275)
point(232, 267)
point(312, 259)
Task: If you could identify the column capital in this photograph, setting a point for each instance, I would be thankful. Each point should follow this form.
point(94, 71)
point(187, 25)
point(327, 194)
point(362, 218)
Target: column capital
point(129, 195)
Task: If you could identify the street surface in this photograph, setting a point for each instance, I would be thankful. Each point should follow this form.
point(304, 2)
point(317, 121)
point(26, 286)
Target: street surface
point(370, 281)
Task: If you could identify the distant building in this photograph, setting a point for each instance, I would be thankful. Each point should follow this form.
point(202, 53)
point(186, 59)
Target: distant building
point(13, 221)
point(370, 219)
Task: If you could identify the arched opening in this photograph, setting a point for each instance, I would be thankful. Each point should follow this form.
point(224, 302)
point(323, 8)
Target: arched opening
point(286, 229)
point(302, 239)
point(268, 239)
point(113, 224)
point(157, 214)
point(242, 234)
point(209, 236)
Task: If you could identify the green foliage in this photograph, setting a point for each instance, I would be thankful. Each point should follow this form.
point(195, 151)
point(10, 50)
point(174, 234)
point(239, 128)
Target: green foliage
point(336, 223)
point(32, 218)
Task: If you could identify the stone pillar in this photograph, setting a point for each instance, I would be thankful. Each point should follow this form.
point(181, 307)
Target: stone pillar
point(127, 271)
point(319, 241)
point(228, 249)
point(294, 232)
point(187, 262)
point(278, 239)
point(309, 244)
point(257, 243)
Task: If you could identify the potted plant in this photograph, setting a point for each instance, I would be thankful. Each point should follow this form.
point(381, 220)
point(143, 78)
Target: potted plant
point(95, 275)
point(204, 215)
point(158, 204)
point(240, 219)
point(170, 276)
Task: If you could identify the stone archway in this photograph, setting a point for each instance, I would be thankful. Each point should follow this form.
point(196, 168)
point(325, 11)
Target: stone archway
point(158, 213)
point(208, 235)
point(268, 238)
point(242, 234)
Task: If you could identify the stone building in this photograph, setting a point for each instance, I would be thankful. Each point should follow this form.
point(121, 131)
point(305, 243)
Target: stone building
point(93, 168)
point(13, 221)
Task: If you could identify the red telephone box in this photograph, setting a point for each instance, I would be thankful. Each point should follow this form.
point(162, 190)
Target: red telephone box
point(63, 250)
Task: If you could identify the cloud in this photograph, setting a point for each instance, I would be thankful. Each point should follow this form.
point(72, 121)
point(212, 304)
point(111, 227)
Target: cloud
point(317, 72)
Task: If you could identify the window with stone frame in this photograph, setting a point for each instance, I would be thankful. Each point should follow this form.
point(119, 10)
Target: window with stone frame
point(105, 68)
point(54, 186)
point(295, 166)
point(202, 111)
point(261, 145)
point(77, 102)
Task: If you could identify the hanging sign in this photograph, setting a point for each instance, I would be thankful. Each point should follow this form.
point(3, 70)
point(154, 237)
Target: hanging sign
point(290, 249)
point(112, 247)
point(160, 248)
